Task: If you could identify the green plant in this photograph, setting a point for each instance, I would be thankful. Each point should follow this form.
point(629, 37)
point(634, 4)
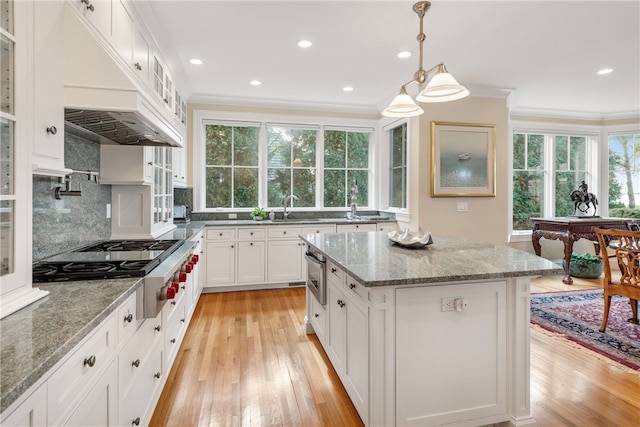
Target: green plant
point(585, 258)
point(259, 212)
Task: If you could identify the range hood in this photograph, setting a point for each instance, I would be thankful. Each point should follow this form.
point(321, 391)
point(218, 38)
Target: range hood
point(103, 100)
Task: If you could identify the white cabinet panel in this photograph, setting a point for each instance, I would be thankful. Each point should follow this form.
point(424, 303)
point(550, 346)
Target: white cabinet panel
point(284, 260)
point(341, 228)
point(99, 14)
point(472, 340)
point(221, 263)
point(31, 413)
point(124, 30)
point(98, 408)
point(251, 261)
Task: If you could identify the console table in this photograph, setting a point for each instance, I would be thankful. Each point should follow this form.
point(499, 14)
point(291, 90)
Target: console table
point(569, 230)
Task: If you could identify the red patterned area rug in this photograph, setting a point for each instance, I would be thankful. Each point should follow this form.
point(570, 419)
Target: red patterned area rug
point(577, 315)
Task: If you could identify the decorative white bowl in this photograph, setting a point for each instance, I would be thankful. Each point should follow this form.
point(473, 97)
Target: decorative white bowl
point(410, 239)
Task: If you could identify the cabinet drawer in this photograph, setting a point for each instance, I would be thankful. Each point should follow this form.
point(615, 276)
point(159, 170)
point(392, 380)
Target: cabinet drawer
point(283, 232)
point(318, 229)
point(126, 319)
point(134, 356)
point(334, 273)
point(341, 228)
point(135, 401)
point(359, 293)
point(221, 233)
point(71, 380)
point(251, 233)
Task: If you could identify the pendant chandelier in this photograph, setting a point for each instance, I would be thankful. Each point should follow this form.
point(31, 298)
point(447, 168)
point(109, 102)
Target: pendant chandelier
point(442, 87)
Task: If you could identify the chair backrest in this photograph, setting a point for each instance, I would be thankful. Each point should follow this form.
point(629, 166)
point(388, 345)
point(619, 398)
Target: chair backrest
point(627, 253)
point(633, 226)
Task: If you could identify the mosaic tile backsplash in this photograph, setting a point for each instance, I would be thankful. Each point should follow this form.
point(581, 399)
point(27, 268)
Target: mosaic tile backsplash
point(61, 225)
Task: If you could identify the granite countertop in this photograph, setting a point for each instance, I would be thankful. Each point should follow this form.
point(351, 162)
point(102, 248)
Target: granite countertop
point(36, 337)
point(373, 260)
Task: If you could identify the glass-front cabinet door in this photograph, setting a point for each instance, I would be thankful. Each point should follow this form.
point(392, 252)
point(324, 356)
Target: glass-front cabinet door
point(162, 186)
point(15, 174)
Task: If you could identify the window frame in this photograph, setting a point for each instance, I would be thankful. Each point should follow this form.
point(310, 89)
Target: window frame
point(201, 117)
point(594, 137)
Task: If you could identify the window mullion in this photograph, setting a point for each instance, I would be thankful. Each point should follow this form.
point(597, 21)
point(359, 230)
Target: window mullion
point(549, 176)
point(320, 168)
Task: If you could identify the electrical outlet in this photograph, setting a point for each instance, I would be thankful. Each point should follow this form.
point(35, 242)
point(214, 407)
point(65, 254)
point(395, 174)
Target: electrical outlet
point(233, 216)
point(448, 304)
point(462, 207)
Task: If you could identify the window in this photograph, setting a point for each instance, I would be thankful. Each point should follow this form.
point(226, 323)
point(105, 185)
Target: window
point(291, 165)
point(624, 173)
point(398, 166)
point(346, 161)
point(231, 166)
point(546, 168)
point(247, 160)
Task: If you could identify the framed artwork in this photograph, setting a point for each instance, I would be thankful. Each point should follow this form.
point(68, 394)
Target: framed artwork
point(463, 160)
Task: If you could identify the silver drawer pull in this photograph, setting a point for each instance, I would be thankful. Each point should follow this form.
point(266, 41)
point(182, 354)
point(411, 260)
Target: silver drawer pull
point(157, 375)
point(157, 328)
point(128, 318)
point(136, 363)
point(136, 422)
point(90, 361)
point(352, 286)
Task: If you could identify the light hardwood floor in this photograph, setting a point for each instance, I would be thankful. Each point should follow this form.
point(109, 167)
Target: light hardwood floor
point(246, 360)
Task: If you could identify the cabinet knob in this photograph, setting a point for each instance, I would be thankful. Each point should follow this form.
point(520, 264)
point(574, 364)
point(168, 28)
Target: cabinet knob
point(157, 328)
point(173, 303)
point(316, 315)
point(128, 318)
point(150, 163)
point(136, 363)
point(137, 66)
point(157, 375)
point(182, 320)
point(172, 341)
point(251, 244)
point(251, 233)
point(52, 130)
point(90, 361)
point(88, 5)
point(352, 286)
point(136, 422)
point(220, 234)
point(232, 246)
point(333, 270)
point(341, 303)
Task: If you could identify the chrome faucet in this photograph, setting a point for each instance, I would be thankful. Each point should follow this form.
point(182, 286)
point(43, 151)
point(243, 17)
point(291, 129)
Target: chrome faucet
point(284, 204)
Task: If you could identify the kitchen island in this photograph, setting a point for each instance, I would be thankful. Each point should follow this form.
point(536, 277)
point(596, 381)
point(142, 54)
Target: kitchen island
point(431, 336)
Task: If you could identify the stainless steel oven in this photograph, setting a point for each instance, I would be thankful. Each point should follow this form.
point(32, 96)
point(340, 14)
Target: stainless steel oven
point(316, 275)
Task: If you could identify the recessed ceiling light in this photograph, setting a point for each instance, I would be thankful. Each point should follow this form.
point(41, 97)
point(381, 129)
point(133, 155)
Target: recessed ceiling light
point(304, 43)
point(255, 82)
point(196, 61)
point(605, 71)
point(347, 88)
point(404, 54)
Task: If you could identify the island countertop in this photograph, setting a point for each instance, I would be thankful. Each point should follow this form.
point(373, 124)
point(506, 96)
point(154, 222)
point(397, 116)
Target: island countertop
point(373, 260)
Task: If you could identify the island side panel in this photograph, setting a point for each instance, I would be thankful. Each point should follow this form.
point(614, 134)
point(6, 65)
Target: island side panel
point(451, 364)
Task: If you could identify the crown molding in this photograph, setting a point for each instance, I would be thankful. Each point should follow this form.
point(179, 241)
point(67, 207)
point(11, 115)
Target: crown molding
point(523, 112)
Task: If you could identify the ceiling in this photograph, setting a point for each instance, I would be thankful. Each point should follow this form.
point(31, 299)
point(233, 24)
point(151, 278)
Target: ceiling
point(544, 53)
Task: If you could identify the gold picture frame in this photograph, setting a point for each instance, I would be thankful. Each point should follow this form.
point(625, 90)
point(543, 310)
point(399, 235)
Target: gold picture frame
point(463, 160)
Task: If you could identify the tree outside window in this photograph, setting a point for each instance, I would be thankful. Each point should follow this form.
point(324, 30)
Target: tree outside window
point(231, 166)
point(398, 162)
point(346, 164)
point(624, 175)
point(291, 165)
point(542, 183)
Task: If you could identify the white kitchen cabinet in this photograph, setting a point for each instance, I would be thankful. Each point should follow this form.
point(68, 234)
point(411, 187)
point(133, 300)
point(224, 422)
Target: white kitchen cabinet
point(77, 376)
point(221, 263)
point(342, 228)
point(98, 408)
point(251, 255)
point(284, 260)
point(199, 272)
point(124, 30)
point(180, 167)
point(99, 14)
point(348, 342)
point(174, 319)
point(123, 165)
point(32, 412)
point(142, 56)
point(386, 226)
point(317, 317)
point(48, 89)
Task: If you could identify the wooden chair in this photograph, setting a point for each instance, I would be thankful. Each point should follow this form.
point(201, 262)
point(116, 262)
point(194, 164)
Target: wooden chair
point(627, 253)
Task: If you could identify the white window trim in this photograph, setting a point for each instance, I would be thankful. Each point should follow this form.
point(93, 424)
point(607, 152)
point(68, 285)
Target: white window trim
point(201, 117)
point(384, 166)
point(594, 164)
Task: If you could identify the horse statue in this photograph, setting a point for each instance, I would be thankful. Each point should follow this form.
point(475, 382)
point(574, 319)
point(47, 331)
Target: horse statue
point(582, 201)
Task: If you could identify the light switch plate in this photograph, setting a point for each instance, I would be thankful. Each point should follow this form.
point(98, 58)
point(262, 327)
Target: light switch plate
point(462, 207)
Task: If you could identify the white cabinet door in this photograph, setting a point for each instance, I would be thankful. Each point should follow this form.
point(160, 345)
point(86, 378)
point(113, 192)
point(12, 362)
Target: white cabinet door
point(284, 260)
point(251, 262)
point(99, 14)
point(357, 358)
point(221, 263)
point(124, 30)
point(98, 408)
point(31, 413)
point(179, 167)
point(141, 57)
point(337, 337)
point(48, 137)
point(317, 317)
point(126, 165)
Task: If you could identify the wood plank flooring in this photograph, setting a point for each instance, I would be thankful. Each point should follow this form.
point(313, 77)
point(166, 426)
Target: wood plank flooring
point(246, 361)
